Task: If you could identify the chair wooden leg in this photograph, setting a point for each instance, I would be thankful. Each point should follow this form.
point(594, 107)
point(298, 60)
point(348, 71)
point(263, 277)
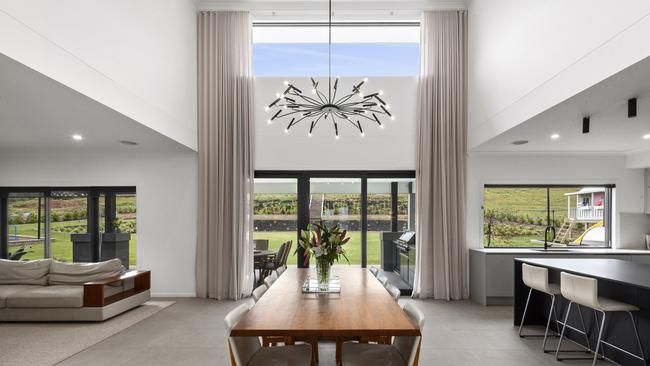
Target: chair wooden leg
point(339, 350)
point(314, 350)
point(232, 357)
point(416, 360)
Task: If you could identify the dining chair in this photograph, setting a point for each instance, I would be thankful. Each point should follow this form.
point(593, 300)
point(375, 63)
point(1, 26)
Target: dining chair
point(394, 292)
point(247, 351)
point(261, 244)
point(405, 350)
point(536, 278)
point(287, 252)
point(258, 292)
point(374, 270)
point(272, 265)
point(583, 291)
point(382, 278)
point(270, 279)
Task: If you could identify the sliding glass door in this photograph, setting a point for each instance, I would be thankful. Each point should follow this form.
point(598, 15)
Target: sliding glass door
point(365, 203)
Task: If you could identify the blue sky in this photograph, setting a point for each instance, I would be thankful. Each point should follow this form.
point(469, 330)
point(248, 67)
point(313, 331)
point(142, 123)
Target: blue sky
point(348, 59)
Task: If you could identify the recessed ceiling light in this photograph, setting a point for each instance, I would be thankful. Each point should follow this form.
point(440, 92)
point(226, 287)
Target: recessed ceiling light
point(127, 142)
point(555, 136)
point(646, 136)
point(520, 142)
point(77, 137)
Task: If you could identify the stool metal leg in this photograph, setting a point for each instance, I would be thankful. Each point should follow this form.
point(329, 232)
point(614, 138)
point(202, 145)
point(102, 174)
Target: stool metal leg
point(600, 338)
point(638, 339)
point(584, 327)
point(566, 319)
point(530, 292)
point(548, 323)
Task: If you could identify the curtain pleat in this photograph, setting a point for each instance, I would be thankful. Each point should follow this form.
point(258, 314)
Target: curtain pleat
point(441, 255)
point(224, 255)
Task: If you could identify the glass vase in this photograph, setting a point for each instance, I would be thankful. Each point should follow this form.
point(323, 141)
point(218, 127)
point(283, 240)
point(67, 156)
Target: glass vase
point(323, 269)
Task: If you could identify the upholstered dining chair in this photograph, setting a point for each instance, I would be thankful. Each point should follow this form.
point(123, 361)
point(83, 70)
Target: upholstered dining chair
point(382, 279)
point(394, 292)
point(259, 291)
point(281, 270)
point(271, 265)
point(405, 350)
point(270, 279)
point(247, 351)
point(374, 270)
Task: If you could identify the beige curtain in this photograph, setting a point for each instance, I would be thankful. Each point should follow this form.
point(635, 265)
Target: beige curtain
point(441, 257)
point(224, 256)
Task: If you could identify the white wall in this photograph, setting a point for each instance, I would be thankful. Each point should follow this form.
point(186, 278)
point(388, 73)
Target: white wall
point(390, 148)
point(556, 169)
point(166, 187)
point(526, 56)
point(136, 57)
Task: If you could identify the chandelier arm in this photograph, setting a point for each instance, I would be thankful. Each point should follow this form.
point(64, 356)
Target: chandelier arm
point(321, 96)
point(345, 98)
point(314, 122)
point(356, 125)
point(366, 117)
point(309, 99)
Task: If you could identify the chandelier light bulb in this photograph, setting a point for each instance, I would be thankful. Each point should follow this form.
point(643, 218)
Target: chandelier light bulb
point(365, 80)
point(309, 134)
point(362, 134)
point(277, 95)
point(286, 130)
point(392, 118)
point(387, 106)
point(269, 121)
point(266, 108)
point(381, 92)
point(381, 126)
point(337, 137)
point(286, 83)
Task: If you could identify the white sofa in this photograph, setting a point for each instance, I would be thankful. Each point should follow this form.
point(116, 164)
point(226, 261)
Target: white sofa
point(48, 290)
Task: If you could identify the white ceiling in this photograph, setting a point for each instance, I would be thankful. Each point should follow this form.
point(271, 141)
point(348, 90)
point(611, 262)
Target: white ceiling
point(38, 114)
point(606, 103)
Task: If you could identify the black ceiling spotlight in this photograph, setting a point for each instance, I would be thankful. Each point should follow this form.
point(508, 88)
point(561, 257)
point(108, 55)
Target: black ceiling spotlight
point(585, 124)
point(631, 107)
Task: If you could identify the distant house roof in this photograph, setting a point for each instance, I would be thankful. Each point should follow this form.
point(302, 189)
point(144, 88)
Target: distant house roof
point(586, 190)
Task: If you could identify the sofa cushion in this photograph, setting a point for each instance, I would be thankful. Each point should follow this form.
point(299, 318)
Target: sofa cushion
point(8, 290)
point(24, 272)
point(56, 296)
point(62, 273)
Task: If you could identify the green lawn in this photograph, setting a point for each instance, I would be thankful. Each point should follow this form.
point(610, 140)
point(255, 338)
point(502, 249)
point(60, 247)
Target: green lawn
point(353, 247)
point(61, 244)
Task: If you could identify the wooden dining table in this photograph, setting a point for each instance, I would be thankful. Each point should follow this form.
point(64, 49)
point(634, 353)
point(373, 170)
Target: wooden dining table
point(363, 308)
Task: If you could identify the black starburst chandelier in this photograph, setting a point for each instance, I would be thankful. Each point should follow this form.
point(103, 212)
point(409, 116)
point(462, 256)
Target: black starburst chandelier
point(335, 107)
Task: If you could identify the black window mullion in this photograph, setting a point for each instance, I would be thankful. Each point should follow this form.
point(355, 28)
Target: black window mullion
point(303, 215)
point(4, 226)
point(364, 221)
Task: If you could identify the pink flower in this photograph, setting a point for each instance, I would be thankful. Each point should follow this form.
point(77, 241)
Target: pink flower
point(338, 249)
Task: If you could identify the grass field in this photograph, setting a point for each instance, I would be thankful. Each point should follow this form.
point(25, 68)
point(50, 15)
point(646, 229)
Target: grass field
point(61, 244)
point(353, 247)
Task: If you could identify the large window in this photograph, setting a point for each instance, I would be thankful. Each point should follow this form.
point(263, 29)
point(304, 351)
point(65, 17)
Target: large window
point(72, 224)
point(365, 204)
point(574, 216)
point(359, 49)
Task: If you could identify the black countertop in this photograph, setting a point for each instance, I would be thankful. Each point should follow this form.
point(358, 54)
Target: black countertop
point(614, 270)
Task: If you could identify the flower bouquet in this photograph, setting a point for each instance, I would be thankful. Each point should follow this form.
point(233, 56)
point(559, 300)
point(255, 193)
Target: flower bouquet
point(325, 244)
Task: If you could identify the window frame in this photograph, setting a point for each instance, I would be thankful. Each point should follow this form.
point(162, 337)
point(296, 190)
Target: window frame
point(607, 213)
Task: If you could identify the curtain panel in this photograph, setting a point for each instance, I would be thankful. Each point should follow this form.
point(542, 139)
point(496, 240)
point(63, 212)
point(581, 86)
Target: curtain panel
point(224, 256)
point(441, 253)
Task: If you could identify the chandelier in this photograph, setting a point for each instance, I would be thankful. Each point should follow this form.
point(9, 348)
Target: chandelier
point(335, 106)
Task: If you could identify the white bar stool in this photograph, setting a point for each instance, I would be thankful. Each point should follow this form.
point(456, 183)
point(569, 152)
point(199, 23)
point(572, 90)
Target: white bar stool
point(536, 278)
point(584, 291)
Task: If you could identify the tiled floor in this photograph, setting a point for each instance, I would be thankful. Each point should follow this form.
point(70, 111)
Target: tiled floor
point(192, 332)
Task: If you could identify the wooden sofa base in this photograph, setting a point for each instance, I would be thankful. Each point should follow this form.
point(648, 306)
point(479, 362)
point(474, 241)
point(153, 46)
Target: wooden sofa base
point(83, 314)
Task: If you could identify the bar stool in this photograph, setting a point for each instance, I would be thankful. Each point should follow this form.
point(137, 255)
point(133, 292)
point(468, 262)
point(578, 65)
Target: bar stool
point(536, 278)
point(584, 291)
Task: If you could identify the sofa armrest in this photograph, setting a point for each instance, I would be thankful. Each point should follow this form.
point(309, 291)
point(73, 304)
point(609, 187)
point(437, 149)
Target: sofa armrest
point(94, 291)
